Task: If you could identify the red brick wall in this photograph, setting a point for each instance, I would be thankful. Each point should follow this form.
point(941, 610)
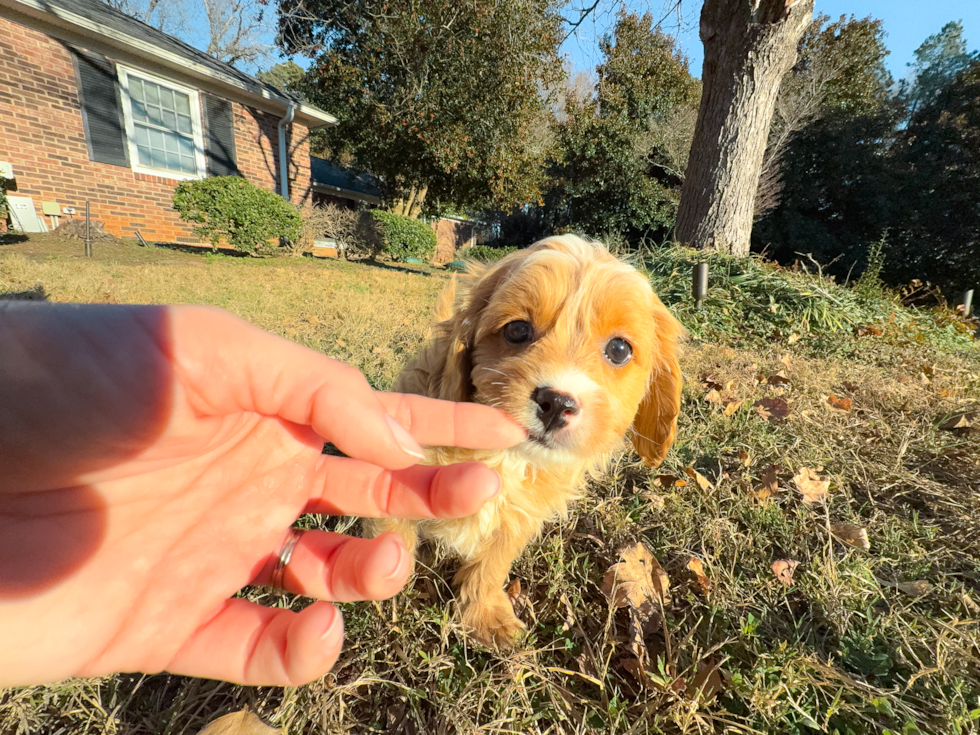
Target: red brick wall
point(42, 136)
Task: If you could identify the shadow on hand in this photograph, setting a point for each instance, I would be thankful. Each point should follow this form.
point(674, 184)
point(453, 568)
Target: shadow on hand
point(84, 388)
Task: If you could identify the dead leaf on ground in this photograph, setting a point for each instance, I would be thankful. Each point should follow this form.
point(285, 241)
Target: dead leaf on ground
point(959, 421)
point(970, 604)
point(745, 458)
point(779, 380)
point(635, 667)
point(707, 681)
point(770, 483)
point(711, 382)
point(839, 404)
point(784, 569)
point(239, 723)
point(638, 580)
point(669, 481)
point(867, 329)
point(517, 596)
point(855, 536)
point(812, 487)
point(913, 588)
point(733, 407)
point(656, 501)
point(703, 482)
point(695, 565)
point(772, 409)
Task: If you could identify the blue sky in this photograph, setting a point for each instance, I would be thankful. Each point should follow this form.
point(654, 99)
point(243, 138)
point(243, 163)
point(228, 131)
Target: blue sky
point(907, 23)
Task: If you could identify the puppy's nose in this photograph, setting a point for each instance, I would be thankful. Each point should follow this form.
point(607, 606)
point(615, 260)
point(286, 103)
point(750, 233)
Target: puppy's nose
point(554, 407)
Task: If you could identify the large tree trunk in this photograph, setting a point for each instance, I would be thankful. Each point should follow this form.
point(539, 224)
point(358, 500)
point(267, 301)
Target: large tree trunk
point(748, 46)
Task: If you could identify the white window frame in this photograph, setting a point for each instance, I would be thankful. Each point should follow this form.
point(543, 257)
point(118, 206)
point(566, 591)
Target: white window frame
point(197, 130)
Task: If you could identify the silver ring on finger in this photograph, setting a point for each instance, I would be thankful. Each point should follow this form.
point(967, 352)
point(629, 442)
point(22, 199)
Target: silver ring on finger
point(285, 554)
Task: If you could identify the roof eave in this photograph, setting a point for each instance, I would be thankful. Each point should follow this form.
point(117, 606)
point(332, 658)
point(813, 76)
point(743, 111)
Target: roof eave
point(80, 31)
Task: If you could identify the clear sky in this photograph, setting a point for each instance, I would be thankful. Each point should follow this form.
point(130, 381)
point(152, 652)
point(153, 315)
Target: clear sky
point(907, 23)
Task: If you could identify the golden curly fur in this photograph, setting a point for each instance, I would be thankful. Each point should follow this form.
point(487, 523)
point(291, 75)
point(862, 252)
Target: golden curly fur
point(575, 299)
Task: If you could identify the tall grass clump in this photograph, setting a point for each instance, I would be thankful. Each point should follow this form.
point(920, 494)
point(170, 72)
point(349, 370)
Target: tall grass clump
point(752, 302)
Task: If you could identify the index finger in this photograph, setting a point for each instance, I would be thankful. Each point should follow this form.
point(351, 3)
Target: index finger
point(437, 423)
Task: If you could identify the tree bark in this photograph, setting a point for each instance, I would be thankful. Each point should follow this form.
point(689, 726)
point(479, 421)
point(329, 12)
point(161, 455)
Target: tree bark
point(748, 46)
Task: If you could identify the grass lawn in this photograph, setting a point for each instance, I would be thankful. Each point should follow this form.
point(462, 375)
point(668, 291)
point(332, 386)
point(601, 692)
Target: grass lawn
point(784, 373)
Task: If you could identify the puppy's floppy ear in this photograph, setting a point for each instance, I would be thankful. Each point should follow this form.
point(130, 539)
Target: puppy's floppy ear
point(655, 425)
point(451, 378)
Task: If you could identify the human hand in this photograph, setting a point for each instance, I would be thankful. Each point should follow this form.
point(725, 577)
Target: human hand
point(153, 460)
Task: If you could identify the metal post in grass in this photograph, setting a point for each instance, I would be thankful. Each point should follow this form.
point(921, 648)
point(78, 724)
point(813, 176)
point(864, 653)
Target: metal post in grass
point(967, 303)
point(699, 286)
point(88, 232)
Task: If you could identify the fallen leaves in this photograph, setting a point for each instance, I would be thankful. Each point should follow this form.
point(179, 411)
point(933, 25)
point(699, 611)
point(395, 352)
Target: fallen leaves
point(855, 536)
point(958, 422)
point(700, 479)
point(843, 405)
point(639, 584)
point(784, 569)
point(694, 565)
point(812, 487)
point(638, 581)
point(770, 483)
point(913, 588)
point(772, 410)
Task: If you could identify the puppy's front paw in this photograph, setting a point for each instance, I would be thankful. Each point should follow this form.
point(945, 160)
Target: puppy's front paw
point(493, 624)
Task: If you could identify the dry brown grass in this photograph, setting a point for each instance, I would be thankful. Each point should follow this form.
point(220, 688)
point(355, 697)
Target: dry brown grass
point(841, 650)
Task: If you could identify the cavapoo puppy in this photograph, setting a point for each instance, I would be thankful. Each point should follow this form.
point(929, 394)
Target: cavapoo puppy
point(575, 346)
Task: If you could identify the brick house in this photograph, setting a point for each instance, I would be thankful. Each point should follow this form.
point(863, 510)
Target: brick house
point(97, 106)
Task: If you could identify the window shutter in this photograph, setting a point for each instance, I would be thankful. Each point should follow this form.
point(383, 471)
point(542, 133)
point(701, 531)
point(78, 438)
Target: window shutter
point(98, 93)
point(219, 137)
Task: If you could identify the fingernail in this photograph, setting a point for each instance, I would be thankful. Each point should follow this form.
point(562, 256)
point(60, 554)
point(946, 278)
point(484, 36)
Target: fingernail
point(494, 489)
point(404, 439)
point(336, 626)
point(399, 559)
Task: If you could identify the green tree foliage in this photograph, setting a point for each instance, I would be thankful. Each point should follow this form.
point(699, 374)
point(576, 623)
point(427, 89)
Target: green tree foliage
point(437, 97)
point(837, 193)
point(616, 165)
point(250, 219)
point(287, 76)
point(938, 232)
point(937, 62)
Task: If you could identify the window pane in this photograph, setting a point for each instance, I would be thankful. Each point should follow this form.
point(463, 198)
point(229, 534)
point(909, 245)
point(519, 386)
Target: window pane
point(152, 93)
point(186, 147)
point(188, 165)
point(139, 112)
point(169, 119)
point(136, 89)
point(173, 161)
point(156, 139)
point(183, 103)
point(171, 144)
point(141, 137)
point(158, 157)
point(155, 115)
point(144, 155)
point(184, 124)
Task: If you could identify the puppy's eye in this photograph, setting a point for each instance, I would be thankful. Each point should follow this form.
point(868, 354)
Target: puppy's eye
point(519, 332)
point(618, 351)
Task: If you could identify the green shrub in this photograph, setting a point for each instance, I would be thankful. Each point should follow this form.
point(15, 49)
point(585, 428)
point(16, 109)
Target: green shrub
point(404, 237)
point(485, 253)
point(230, 207)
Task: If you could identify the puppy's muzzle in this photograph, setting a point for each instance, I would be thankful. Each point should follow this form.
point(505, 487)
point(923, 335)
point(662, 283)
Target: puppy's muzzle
point(555, 408)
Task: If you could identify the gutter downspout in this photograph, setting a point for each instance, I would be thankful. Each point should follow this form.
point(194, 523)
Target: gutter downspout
point(284, 151)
